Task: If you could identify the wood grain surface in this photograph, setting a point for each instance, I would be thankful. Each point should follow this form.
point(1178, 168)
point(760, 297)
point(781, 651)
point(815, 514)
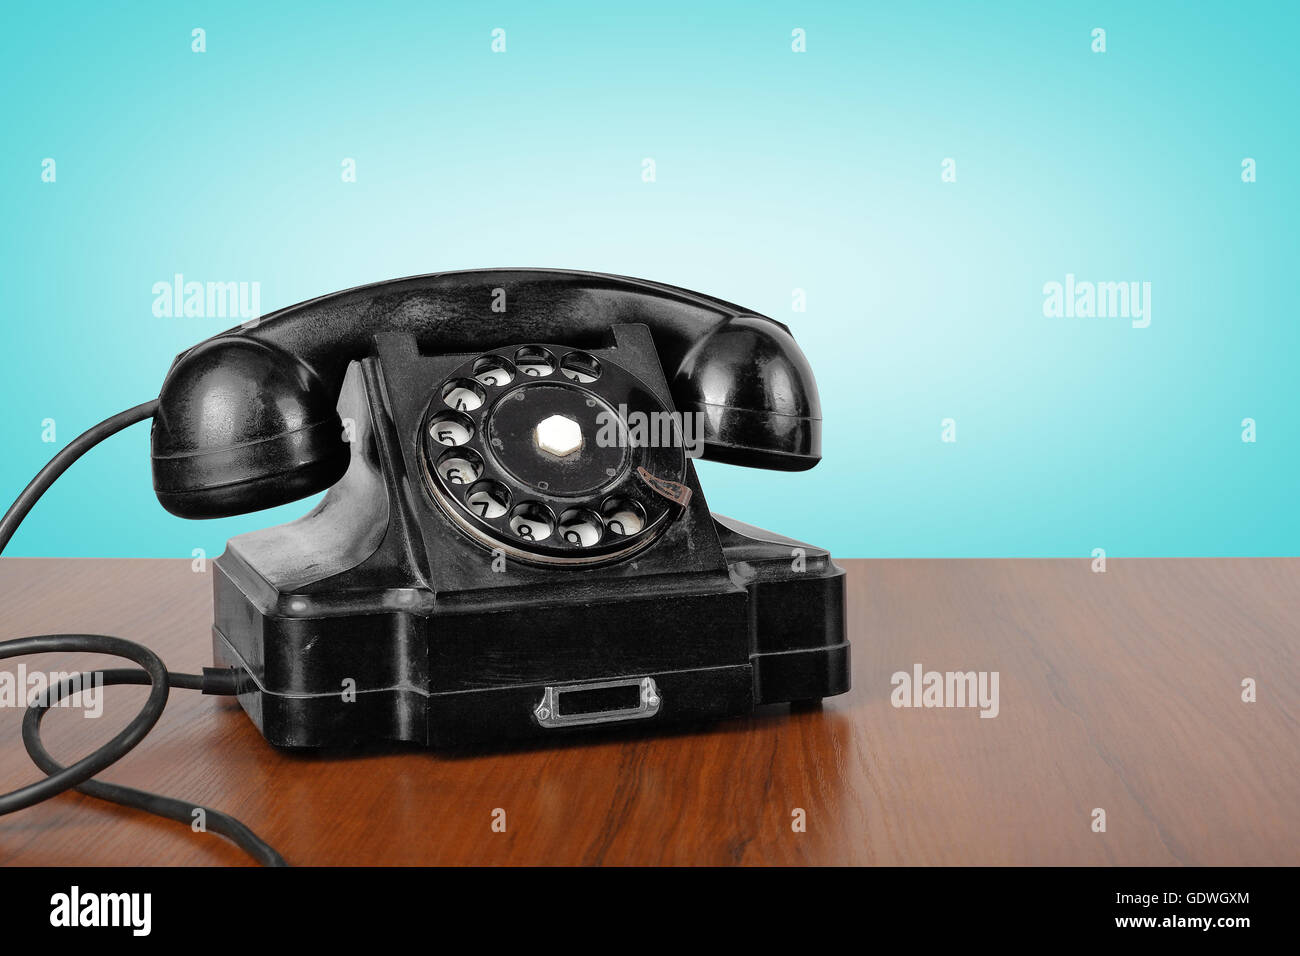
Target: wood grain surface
point(1119, 691)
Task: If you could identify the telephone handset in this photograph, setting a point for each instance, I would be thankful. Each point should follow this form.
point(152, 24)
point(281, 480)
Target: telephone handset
point(247, 419)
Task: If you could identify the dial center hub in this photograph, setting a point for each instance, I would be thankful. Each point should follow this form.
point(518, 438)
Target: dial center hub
point(558, 435)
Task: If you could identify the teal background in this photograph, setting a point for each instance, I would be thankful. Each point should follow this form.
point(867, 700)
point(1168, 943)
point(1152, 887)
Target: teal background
point(776, 171)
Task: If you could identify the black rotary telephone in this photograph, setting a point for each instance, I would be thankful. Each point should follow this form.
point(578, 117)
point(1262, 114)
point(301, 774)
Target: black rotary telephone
point(513, 542)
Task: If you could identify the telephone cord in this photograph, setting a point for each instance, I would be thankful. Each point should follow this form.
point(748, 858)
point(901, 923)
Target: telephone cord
point(78, 776)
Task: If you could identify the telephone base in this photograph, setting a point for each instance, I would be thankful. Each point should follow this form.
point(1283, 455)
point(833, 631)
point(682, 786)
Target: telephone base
point(761, 634)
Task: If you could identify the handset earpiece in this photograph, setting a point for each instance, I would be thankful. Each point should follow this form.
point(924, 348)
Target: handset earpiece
point(241, 426)
point(756, 393)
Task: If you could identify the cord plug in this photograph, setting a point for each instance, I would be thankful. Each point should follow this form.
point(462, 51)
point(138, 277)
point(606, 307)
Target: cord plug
point(220, 681)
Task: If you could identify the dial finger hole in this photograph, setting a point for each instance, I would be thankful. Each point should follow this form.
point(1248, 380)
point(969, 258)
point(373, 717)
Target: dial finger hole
point(581, 527)
point(492, 370)
point(450, 428)
point(534, 361)
point(580, 367)
point(488, 499)
point(460, 467)
point(623, 515)
point(532, 521)
point(462, 394)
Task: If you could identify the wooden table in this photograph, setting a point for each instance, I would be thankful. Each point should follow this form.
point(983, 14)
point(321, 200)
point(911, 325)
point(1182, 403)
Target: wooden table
point(1120, 690)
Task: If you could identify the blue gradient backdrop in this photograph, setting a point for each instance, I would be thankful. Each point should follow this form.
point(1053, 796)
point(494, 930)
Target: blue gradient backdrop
point(776, 171)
